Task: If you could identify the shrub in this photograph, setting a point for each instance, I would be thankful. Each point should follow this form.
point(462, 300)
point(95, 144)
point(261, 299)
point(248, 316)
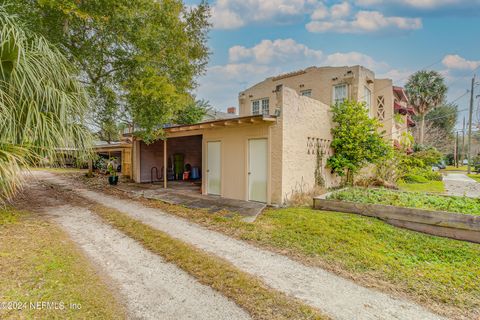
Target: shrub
point(414, 178)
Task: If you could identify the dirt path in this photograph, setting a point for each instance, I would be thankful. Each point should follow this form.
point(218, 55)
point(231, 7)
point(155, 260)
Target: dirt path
point(149, 287)
point(335, 296)
point(459, 184)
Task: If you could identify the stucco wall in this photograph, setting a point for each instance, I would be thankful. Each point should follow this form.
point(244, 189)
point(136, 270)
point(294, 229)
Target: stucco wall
point(306, 125)
point(384, 88)
point(234, 163)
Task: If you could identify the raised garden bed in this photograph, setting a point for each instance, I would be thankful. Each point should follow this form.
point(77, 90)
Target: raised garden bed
point(464, 225)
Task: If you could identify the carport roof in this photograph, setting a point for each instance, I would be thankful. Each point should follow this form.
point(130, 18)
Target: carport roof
point(223, 123)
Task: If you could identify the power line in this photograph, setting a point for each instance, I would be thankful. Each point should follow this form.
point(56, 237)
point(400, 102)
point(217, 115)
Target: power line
point(439, 117)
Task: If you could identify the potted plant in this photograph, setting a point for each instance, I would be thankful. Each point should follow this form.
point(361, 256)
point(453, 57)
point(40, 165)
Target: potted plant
point(112, 170)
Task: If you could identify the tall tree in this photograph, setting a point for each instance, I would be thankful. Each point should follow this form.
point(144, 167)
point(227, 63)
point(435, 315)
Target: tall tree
point(138, 58)
point(41, 104)
point(426, 90)
point(356, 140)
point(439, 127)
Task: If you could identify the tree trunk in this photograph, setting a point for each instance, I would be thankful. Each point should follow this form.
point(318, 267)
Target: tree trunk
point(422, 129)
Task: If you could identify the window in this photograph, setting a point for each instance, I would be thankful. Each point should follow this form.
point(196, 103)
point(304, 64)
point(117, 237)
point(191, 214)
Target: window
point(367, 97)
point(256, 107)
point(340, 93)
point(306, 93)
point(264, 103)
point(265, 106)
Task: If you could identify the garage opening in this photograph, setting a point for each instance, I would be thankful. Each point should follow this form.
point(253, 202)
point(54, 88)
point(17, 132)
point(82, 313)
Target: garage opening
point(183, 163)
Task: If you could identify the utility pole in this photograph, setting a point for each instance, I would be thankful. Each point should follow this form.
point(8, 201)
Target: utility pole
point(462, 153)
point(455, 152)
point(470, 126)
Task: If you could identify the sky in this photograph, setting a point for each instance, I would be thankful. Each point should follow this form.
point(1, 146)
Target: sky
point(251, 40)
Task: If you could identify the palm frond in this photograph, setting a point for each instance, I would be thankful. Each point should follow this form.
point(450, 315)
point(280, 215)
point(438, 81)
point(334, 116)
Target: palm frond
point(42, 105)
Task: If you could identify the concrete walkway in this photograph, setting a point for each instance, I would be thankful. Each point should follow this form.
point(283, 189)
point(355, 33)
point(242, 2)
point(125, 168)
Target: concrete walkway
point(459, 184)
point(335, 296)
point(192, 198)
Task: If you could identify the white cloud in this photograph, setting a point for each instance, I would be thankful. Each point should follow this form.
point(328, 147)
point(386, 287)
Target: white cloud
point(249, 65)
point(354, 58)
point(230, 14)
point(364, 21)
point(340, 10)
point(418, 4)
point(280, 50)
point(340, 17)
point(459, 63)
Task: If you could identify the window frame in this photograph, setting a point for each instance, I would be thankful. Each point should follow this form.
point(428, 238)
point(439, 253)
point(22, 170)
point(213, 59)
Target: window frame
point(368, 103)
point(334, 99)
point(257, 107)
point(303, 93)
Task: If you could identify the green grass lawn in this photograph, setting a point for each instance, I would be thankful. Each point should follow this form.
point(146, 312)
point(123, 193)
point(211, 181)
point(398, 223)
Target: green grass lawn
point(39, 263)
point(453, 168)
point(438, 272)
point(431, 186)
point(475, 177)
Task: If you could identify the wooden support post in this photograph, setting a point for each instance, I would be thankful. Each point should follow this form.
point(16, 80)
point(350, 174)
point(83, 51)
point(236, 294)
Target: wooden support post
point(90, 167)
point(165, 163)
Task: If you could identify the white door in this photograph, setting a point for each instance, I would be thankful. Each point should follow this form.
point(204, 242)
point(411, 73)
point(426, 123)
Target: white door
point(213, 167)
point(257, 169)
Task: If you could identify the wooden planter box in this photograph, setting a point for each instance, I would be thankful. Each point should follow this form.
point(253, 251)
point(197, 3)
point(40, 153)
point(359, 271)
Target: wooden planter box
point(439, 223)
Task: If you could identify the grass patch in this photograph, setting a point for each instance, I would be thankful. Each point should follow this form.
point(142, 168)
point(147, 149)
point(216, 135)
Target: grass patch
point(38, 263)
point(453, 168)
point(247, 291)
point(475, 177)
point(410, 200)
point(437, 272)
point(431, 186)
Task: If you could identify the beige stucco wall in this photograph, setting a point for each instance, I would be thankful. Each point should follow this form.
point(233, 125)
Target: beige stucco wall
point(234, 155)
point(320, 80)
point(384, 88)
point(306, 123)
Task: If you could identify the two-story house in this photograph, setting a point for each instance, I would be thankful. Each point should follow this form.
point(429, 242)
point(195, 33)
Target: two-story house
point(278, 144)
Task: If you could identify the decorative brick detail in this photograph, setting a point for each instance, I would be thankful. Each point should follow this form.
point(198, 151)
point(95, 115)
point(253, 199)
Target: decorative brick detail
point(381, 107)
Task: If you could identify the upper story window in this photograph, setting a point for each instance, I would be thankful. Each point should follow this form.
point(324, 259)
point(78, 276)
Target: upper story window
point(340, 93)
point(264, 104)
point(367, 97)
point(306, 93)
point(256, 107)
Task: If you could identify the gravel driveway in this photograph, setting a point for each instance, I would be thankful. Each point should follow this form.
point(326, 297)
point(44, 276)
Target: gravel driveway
point(459, 184)
point(149, 287)
point(335, 296)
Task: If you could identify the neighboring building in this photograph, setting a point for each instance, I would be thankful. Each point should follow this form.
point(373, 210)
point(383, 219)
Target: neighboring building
point(121, 150)
point(278, 142)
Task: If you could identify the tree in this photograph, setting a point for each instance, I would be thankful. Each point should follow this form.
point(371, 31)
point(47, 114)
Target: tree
point(42, 106)
point(425, 90)
point(356, 140)
point(137, 58)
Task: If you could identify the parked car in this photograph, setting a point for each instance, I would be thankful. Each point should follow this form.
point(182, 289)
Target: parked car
point(439, 166)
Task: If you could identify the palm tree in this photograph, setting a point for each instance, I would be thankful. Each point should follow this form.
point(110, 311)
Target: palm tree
point(426, 90)
point(42, 105)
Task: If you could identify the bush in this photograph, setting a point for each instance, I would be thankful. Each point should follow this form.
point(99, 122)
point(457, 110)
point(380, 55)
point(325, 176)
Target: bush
point(429, 157)
point(414, 178)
